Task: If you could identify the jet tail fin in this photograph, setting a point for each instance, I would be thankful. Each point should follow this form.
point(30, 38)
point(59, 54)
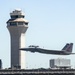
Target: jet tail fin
point(68, 47)
point(65, 47)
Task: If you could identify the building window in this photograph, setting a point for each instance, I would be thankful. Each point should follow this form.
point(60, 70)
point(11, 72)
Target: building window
point(26, 23)
point(13, 23)
point(20, 23)
point(17, 16)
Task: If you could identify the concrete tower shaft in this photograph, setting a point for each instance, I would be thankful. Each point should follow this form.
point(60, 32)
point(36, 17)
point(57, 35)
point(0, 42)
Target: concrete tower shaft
point(17, 27)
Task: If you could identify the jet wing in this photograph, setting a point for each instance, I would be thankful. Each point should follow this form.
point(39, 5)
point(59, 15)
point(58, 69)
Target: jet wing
point(45, 51)
point(50, 51)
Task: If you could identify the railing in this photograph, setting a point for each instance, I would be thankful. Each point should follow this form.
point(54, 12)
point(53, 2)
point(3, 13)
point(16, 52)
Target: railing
point(37, 71)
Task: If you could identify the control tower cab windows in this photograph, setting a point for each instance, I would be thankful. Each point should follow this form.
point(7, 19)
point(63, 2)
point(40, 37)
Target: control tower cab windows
point(26, 23)
point(17, 23)
point(13, 23)
point(17, 16)
point(22, 23)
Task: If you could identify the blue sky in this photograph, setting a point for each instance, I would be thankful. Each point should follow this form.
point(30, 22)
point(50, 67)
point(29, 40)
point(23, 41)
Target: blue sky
point(51, 25)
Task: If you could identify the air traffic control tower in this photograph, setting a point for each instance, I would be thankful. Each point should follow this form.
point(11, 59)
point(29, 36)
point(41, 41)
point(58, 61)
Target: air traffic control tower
point(17, 27)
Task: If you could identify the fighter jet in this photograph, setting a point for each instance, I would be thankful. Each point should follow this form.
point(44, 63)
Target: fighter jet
point(66, 50)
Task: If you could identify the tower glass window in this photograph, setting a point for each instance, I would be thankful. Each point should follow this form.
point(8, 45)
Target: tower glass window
point(17, 16)
point(20, 23)
point(26, 23)
point(13, 23)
